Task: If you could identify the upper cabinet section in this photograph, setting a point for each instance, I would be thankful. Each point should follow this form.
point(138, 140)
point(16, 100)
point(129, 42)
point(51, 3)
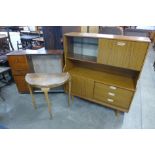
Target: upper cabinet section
point(85, 46)
point(112, 50)
point(83, 49)
point(122, 53)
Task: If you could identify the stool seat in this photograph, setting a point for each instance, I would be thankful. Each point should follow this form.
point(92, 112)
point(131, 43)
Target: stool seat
point(43, 80)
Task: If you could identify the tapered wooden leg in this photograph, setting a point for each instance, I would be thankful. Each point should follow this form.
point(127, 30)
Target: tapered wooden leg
point(32, 96)
point(45, 90)
point(69, 92)
point(117, 113)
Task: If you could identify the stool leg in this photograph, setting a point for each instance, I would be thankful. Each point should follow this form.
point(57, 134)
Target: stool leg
point(72, 98)
point(45, 90)
point(69, 92)
point(32, 96)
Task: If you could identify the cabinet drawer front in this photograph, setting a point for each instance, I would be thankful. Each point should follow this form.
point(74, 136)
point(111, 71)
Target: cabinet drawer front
point(113, 95)
point(18, 62)
point(20, 72)
point(21, 84)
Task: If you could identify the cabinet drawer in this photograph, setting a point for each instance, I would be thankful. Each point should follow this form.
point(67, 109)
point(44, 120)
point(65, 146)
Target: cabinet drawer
point(113, 95)
point(20, 72)
point(21, 84)
point(18, 62)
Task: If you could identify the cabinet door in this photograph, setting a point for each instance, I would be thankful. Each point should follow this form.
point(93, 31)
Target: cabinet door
point(21, 84)
point(122, 53)
point(82, 86)
point(138, 55)
point(114, 52)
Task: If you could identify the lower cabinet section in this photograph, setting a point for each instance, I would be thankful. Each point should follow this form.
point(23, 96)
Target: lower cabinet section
point(101, 93)
point(113, 95)
point(21, 84)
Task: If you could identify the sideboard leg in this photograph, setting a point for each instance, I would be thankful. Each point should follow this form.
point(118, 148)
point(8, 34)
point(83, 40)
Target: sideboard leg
point(117, 113)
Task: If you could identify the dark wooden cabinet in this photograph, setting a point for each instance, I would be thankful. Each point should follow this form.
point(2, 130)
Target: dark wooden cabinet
point(19, 67)
point(53, 35)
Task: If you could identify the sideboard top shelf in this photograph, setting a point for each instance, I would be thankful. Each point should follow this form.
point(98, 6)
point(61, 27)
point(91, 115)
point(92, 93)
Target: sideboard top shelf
point(108, 36)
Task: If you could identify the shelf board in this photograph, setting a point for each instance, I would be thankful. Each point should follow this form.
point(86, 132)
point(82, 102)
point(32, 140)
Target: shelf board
point(81, 57)
point(106, 78)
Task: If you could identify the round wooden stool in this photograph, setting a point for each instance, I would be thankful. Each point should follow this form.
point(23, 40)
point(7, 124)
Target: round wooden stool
point(45, 82)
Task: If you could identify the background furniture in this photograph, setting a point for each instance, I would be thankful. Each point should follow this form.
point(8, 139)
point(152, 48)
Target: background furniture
point(53, 35)
point(4, 49)
point(34, 61)
point(45, 82)
point(105, 68)
point(39, 43)
point(111, 30)
point(27, 41)
point(4, 78)
point(88, 29)
point(136, 32)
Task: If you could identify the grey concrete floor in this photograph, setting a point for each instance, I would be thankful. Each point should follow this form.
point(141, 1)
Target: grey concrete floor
point(17, 111)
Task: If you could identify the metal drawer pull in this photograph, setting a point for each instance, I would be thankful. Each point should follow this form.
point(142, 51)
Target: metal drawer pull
point(112, 87)
point(120, 43)
point(111, 94)
point(110, 100)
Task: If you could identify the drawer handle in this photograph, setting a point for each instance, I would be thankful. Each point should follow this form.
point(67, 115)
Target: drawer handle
point(112, 87)
point(111, 94)
point(120, 43)
point(110, 100)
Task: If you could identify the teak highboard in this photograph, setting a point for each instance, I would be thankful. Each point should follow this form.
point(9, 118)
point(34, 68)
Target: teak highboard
point(105, 68)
